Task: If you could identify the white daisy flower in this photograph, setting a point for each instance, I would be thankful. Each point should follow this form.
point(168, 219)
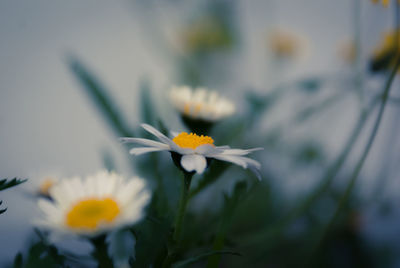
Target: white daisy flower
point(200, 103)
point(193, 150)
point(94, 205)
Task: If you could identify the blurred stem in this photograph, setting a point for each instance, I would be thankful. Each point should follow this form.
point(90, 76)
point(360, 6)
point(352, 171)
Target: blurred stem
point(386, 165)
point(219, 241)
point(357, 44)
point(345, 198)
point(100, 252)
point(326, 181)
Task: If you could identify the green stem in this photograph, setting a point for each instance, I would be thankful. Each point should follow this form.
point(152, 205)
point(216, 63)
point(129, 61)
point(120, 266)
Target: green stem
point(344, 199)
point(182, 205)
point(187, 179)
point(100, 252)
point(357, 43)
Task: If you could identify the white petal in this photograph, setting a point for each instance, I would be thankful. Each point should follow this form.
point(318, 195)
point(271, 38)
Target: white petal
point(240, 151)
point(144, 150)
point(156, 133)
point(146, 142)
point(244, 162)
point(256, 171)
point(207, 149)
point(174, 133)
point(48, 208)
point(231, 158)
point(180, 150)
point(194, 162)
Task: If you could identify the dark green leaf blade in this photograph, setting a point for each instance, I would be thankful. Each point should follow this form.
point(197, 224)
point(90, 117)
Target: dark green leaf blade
point(4, 184)
point(100, 96)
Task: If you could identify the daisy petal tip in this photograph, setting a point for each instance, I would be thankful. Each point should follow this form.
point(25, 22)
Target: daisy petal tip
point(123, 140)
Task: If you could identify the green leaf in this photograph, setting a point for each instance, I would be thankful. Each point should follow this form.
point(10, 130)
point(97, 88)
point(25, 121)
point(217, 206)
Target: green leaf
point(147, 110)
point(2, 210)
point(4, 184)
point(18, 261)
point(101, 98)
point(230, 205)
point(198, 258)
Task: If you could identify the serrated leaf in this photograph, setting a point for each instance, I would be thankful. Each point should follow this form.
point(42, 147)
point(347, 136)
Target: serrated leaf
point(100, 96)
point(4, 184)
point(198, 258)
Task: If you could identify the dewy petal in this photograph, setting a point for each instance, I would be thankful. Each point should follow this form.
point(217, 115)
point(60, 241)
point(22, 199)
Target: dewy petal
point(146, 142)
point(194, 162)
point(145, 150)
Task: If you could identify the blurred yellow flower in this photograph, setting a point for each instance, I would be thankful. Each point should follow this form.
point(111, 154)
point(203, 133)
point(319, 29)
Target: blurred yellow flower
point(286, 44)
point(385, 3)
point(206, 34)
point(384, 54)
point(347, 51)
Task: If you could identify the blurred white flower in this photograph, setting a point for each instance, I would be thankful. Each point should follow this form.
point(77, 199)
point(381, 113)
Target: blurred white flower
point(201, 103)
point(45, 185)
point(192, 151)
point(93, 205)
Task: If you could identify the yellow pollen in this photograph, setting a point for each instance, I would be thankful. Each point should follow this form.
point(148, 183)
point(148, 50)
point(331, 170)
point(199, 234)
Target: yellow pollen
point(185, 140)
point(91, 212)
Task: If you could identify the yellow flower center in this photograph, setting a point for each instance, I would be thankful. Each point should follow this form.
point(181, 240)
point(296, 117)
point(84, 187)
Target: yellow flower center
point(185, 140)
point(90, 213)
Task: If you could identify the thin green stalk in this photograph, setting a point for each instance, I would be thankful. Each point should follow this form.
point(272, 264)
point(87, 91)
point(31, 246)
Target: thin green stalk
point(357, 44)
point(100, 252)
point(344, 199)
point(187, 179)
point(182, 205)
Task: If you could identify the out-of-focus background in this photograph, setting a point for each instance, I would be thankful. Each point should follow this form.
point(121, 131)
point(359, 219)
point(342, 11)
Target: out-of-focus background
point(48, 126)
